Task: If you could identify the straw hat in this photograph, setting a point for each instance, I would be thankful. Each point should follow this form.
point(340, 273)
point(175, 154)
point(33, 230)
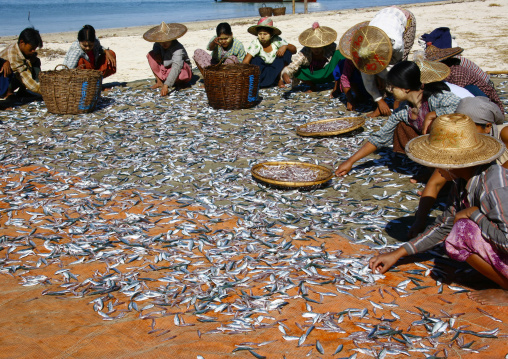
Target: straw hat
point(454, 142)
point(165, 32)
point(371, 50)
point(317, 36)
point(433, 53)
point(345, 40)
point(264, 22)
point(432, 71)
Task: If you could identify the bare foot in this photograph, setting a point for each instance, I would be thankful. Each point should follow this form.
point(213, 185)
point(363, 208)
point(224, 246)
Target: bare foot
point(497, 297)
point(281, 84)
point(374, 113)
point(157, 85)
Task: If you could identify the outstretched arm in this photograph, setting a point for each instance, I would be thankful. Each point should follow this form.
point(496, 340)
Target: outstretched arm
point(346, 166)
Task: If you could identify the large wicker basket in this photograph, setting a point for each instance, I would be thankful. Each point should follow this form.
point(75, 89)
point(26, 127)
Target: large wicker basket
point(232, 87)
point(71, 91)
point(265, 11)
point(278, 11)
point(321, 174)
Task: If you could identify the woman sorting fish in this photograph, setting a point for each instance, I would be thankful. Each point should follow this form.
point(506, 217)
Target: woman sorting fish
point(420, 105)
point(474, 227)
point(316, 61)
point(268, 51)
point(168, 59)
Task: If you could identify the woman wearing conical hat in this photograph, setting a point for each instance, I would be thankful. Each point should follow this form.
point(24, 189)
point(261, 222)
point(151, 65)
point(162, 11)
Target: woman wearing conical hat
point(375, 48)
point(168, 59)
point(474, 226)
point(268, 51)
point(315, 62)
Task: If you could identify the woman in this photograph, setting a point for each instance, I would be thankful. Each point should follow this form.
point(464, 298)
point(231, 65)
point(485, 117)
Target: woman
point(87, 53)
point(474, 227)
point(224, 47)
point(418, 108)
point(268, 51)
point(168, 59)
point(314, 64)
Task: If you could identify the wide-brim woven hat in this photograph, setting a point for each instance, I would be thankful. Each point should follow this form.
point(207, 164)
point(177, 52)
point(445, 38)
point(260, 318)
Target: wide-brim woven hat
point(454, 142)
point(264, 22)
point(371, 50)
point(317, 36)
point(345, 40)
point(432, 71)
point(165, 32)
point(433, 53)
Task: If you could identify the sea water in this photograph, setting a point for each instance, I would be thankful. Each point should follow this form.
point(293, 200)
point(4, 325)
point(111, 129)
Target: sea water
point(70, 15)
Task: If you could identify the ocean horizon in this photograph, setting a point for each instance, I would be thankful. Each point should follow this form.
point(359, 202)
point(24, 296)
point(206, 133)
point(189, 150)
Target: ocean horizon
point(49, 16)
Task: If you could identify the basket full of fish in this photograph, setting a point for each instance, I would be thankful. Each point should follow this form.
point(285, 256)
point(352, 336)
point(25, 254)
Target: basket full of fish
point(291, 174)
point(71, 91)
point(330, 127)
point(232, 86)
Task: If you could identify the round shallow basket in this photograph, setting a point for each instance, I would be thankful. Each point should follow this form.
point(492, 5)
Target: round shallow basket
point(73, 91)
point(278, 11)
point(265, 11)
point(232, 87)
point(287, 174)
point(330, 127)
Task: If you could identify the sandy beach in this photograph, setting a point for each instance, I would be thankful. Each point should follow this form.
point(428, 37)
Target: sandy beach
point(481, 29)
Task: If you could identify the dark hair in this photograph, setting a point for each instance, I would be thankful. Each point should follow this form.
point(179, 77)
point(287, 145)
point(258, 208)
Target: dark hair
point(223, 28)
point(30, 36)
point(267, 29)
point(87, 33)
point(451, 61)
point(406, 75)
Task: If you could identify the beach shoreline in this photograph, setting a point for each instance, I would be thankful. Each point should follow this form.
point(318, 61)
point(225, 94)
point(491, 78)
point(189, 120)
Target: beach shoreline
point(472, 30)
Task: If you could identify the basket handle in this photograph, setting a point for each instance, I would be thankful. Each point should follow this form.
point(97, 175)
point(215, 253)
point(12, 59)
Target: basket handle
point(264, 5)
point(66, 67)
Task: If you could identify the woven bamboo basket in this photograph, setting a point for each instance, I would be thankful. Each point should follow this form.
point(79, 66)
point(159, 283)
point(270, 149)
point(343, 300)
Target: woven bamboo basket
point(232, 87)
point(265, 11)
point(322, 174)
point(278, 11)
point(72, 91)
point(353, 124)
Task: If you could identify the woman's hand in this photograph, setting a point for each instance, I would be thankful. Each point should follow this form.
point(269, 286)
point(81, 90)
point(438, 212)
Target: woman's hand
point(427, 122)
point(164, 90)
point(282, 50)
point(383, 262)
point(383, 107)
point(465, 213)
point(110, 58)
point(344, 168)
point(6, 68)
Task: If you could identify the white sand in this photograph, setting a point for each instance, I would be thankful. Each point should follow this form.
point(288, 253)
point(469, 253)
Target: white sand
point(480, 27)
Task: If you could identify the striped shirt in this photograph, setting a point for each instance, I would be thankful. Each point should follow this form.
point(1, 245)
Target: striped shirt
point(22, 67)
point(474, 68)
point(235, 49)
point(487, 190)
point(443, 103)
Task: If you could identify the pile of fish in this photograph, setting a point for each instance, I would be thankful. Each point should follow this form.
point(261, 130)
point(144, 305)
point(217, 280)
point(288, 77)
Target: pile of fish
point(186, 167)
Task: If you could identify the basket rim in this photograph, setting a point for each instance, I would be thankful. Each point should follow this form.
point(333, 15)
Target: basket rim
point(291, 183)
point(357, 122)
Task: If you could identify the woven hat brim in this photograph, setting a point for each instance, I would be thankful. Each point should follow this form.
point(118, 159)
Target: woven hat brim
point(433, 53)
point(486, 151)
point(432, 71)
point(377, 44)
point(345, 40)
point(175, 31)
point(254, 30)
point(320, 37)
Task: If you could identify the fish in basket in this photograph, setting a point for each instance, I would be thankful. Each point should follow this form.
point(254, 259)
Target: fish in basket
point(330, 127)
point(292, 174)
point(71, 91)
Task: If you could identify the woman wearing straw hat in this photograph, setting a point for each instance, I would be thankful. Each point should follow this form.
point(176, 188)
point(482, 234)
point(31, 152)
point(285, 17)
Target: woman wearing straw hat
point(418, 108)
point(377, 47)
point(462, 75)
point(168, 59)
point(488, 120)
point(268, 51)
point(315, 62)
point(474, 226)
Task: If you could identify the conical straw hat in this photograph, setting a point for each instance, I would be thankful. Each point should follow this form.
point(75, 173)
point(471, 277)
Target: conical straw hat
point(432, 71)
point(317, 36)
point(433, 53)
point(371, 50)
point(165, 32)
point(345, 40)
point(454, 142)
point(264, 22)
